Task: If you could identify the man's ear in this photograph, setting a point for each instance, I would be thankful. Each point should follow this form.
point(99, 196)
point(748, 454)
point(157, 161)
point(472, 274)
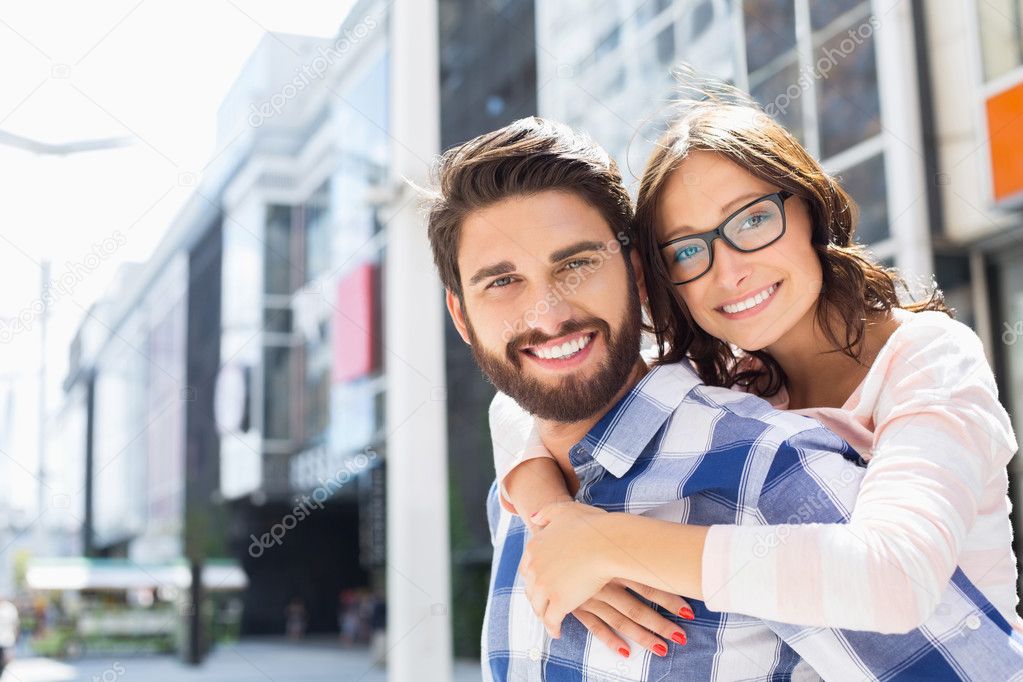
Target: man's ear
point(637, 271)
point(457, 314)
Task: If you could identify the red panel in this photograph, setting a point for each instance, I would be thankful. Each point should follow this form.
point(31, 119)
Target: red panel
point(352, 326)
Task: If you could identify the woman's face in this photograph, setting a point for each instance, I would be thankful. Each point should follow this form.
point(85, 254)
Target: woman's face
point(748, 299)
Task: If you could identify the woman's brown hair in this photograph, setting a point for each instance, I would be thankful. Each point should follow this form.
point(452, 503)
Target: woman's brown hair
point(854, 288)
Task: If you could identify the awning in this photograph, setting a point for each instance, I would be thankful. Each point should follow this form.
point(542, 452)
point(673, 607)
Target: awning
point(80, 573)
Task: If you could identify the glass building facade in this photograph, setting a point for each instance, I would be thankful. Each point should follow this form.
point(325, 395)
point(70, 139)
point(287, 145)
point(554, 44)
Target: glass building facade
point(488, 55)
point(251, 370)
point(812, 65)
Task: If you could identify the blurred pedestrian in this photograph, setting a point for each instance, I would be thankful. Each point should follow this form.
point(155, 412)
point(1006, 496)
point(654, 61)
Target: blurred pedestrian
point(8, 631)
point(378, 623)
point(348, 618)
point(295, 619)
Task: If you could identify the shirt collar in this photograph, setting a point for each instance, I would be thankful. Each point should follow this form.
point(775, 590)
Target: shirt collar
point(621, 435)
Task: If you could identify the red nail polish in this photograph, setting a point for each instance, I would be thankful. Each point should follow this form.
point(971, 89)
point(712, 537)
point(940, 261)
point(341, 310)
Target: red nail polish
point(623, 651)
point(660, 650)
point(679, 637)
point(687, 613)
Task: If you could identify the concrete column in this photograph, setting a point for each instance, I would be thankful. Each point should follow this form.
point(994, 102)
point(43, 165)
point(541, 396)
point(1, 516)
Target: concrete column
point(418, 540)
point(903, 139)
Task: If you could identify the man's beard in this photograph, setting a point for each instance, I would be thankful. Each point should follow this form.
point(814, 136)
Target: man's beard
point(571, 398)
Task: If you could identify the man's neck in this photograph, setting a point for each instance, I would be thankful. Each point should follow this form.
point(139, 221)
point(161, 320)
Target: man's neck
point(560, 437)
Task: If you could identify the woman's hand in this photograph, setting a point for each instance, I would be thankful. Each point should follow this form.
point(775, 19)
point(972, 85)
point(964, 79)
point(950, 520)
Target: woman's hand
point(615, 612)
point(572, 559)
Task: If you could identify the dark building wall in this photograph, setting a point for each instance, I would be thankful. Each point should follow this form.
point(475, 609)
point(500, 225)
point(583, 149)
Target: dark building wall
point(488, 79)
point(487, 66)
point(314, 561)
point(204, 536)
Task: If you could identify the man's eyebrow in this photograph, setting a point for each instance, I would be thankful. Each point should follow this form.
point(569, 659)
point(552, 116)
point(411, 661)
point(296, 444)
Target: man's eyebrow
point(501, 268)
point(578, 247)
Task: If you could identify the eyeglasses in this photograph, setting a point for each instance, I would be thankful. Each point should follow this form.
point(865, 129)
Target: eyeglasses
point(755, 226)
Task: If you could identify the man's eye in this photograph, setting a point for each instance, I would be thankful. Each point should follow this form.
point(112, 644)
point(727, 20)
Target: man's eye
point(578, 263)
point(501, 282)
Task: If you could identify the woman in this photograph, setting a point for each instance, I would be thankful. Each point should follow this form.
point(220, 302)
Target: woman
point(753, 276)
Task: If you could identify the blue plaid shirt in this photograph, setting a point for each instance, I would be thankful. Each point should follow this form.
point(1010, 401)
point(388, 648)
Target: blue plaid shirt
point(676, 449)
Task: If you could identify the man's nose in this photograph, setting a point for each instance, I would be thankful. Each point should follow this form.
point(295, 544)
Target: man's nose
point(549, 312)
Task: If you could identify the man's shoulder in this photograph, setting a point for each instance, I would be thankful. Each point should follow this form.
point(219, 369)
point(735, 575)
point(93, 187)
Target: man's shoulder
point(728, 416)
point(743, 449)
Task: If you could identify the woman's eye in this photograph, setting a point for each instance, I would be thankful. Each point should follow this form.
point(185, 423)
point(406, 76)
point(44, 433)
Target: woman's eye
point(754, 221)
point(686, 252)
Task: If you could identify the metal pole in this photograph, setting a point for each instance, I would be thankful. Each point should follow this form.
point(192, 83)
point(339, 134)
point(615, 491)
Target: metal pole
point(44, 292)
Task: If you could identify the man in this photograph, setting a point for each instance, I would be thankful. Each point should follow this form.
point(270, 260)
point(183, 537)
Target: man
point(529, 233)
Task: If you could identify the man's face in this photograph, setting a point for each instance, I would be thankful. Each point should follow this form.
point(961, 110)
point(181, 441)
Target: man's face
point(550, 308)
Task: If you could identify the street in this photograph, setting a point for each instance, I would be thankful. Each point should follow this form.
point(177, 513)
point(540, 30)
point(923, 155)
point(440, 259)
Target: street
point(270, 660)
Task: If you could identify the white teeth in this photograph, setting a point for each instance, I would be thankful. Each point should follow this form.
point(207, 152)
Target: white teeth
point(749, 302)
point(566, 349)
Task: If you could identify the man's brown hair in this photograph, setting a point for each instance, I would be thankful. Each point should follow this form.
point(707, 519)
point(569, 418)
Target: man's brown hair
point(526, 157)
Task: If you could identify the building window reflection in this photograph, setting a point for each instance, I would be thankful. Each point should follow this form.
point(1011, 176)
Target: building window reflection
point(1001, 36)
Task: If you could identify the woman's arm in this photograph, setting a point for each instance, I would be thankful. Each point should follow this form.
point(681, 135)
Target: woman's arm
point(528, 475)
point(941, 442)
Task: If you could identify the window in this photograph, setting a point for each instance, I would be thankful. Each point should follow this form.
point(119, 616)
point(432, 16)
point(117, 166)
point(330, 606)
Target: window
point(847, 95)
point(865, 182)
point(770, 31)
point(277, 252)
point(823, 13)
point(316, 218)
point(277, 366)
point(666, 45)
point(781, 95)
point(1001, 36)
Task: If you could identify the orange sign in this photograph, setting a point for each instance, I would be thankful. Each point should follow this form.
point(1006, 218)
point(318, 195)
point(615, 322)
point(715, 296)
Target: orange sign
point(1005, 129)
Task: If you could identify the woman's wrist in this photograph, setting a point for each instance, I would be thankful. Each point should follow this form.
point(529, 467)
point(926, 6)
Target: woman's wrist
point(617, 561)
point(662, 554)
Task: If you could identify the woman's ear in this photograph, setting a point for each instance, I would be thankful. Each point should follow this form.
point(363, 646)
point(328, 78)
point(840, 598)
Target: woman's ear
point(457, 314)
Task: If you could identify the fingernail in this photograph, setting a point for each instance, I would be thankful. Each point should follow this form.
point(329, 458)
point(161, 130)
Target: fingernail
point(660, 650)
point(623, 651)
point(687, 613)
point(679, 637)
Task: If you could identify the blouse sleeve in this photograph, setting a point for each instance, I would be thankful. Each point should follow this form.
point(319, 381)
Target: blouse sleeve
point(941, 443)
point(515, 439)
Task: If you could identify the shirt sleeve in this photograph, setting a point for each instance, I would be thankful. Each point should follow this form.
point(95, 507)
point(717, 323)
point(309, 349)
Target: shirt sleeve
point(515, 439)
point(941, 439)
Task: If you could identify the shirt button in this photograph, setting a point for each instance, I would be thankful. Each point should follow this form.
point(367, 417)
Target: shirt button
point(534, 654)
point(973, 622)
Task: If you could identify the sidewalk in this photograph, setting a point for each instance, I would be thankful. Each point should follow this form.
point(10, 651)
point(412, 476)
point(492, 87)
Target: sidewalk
point(253, 659)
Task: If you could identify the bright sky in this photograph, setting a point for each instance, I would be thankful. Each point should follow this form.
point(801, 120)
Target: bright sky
point(155, 70)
